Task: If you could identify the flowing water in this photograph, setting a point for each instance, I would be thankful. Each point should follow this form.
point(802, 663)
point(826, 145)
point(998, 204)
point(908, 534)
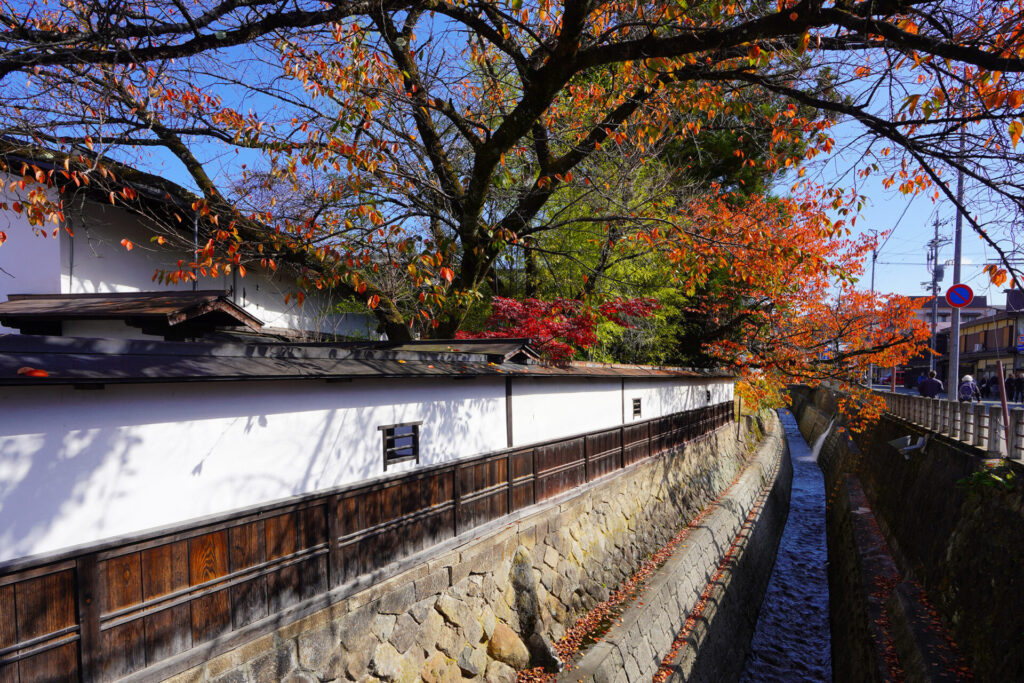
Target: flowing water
point(791, 641)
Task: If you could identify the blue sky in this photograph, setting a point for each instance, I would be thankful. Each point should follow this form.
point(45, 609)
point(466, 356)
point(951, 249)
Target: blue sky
point(901, 266)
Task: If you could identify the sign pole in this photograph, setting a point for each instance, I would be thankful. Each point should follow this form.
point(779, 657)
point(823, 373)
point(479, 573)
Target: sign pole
point(1006, 410)
point(954, 330)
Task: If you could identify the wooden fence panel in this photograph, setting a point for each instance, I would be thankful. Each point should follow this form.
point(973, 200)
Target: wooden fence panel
point(314, 570)
point(439, 508)
point(122, 644)
point(208, 561)
point(44, 615)
point(247, 548)
point(8, 633)
point(381, 524)
point(560, 467)
point(165, 571)
point(58, 664)
point(284, 584)
point(483, 490)
point(151, 598)
point(521, 469)
point(662, 436)
point(637, 438)
point(604, 453)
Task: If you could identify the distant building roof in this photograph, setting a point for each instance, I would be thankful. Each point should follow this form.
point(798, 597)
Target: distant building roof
point(977, 302)
point(168, 314)
point(37, 360)
point(1014, 301)
point(1000, 314)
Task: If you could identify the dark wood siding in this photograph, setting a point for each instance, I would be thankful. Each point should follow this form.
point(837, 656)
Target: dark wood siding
point(118, 608)
point(604, 453)
point(483, 490)
point(560, 467)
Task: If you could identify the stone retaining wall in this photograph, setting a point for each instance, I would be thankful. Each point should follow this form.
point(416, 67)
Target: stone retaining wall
point(634, 649)
point(495, 602)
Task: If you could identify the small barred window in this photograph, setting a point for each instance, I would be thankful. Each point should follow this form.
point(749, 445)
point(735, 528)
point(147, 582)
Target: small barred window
point(401, 443)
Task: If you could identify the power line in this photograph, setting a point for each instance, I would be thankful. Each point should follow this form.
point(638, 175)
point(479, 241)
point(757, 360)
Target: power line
point(898, 221)
point(918, 263)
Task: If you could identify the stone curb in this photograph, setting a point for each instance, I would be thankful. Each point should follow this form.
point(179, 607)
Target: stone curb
point(723, 630)
point(921, 647)
point(634, 648)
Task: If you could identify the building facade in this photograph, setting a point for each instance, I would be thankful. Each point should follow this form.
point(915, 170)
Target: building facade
point(87, 253)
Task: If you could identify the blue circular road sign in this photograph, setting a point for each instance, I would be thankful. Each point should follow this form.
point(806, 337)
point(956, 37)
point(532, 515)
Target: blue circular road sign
point(959, 296)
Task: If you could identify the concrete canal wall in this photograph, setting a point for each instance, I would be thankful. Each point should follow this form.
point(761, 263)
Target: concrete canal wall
point(925, 551)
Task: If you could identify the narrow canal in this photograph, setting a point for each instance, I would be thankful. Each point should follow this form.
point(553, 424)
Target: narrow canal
point(791, 641)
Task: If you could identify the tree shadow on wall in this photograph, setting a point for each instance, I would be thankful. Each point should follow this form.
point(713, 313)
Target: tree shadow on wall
point(77, 480)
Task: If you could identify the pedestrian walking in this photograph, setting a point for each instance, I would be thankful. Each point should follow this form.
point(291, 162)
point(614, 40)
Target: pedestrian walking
point(968, 390)
point(930, 387)
point(995, 385)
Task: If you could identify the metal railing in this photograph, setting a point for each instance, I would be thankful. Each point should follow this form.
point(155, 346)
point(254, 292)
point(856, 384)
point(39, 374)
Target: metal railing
point(975, 424)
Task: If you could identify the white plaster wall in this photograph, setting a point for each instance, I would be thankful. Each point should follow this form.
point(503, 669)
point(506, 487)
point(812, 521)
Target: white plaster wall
point(30, 258)
point(80, 466)
point(263, 297)
point(551, 408)
point(659, 397)
point(544, 409)
point(93, 260)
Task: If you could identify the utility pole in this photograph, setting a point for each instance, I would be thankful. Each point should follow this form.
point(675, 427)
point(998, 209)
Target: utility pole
point(874, 257)
point(954, 330)
point(937, 272)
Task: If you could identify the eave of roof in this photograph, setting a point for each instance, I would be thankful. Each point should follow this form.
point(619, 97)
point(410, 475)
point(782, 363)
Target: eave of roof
point(78, 361)
point(151, 188)
point(995, 317)
point(165, 309)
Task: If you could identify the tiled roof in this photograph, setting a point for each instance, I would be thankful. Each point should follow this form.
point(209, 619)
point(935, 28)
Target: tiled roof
point(38, 360)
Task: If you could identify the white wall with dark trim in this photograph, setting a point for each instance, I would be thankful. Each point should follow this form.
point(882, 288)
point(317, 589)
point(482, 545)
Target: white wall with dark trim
point(93, 260)
point(79, 466)
point(659, 398)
